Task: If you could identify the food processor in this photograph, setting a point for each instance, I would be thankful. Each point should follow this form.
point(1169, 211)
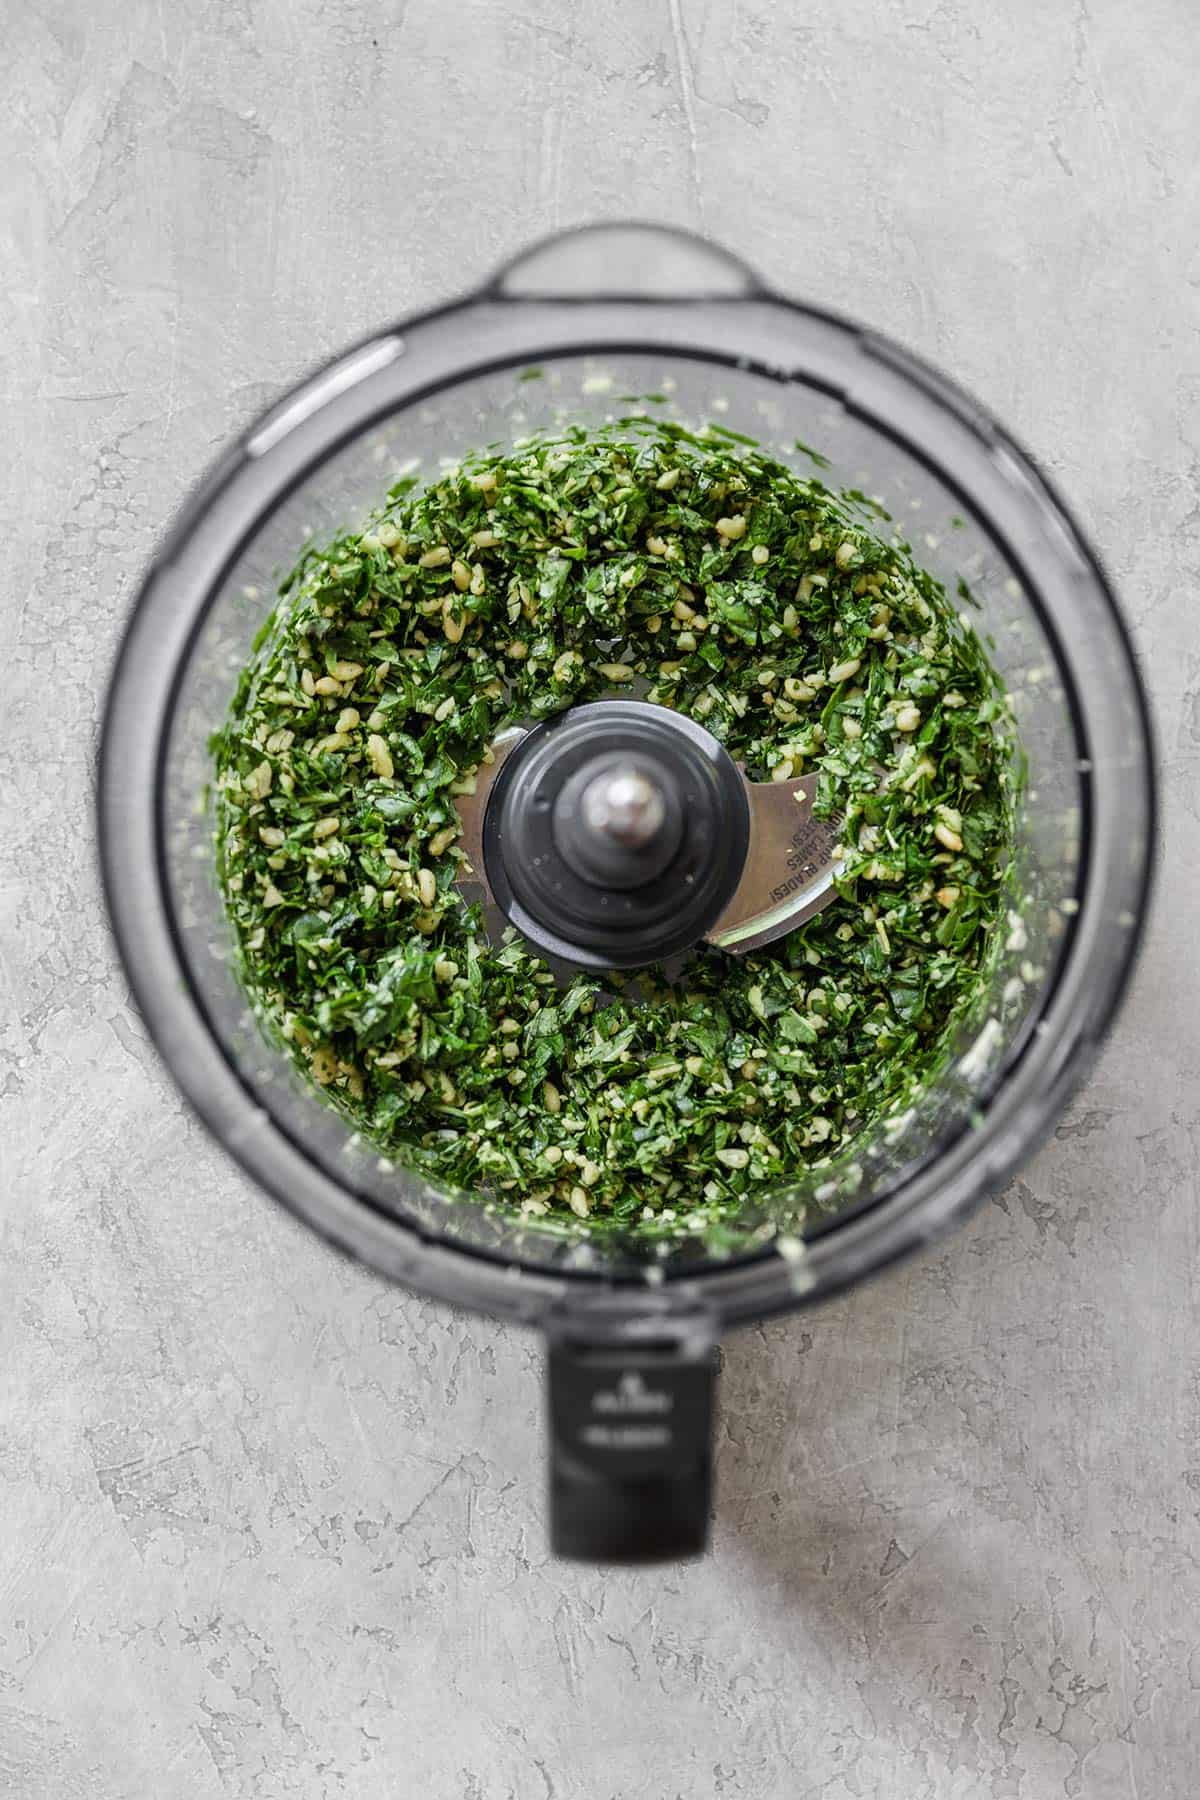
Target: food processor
point(585, 328)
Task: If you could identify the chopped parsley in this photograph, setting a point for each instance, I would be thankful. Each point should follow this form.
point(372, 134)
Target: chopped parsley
point(728, 586)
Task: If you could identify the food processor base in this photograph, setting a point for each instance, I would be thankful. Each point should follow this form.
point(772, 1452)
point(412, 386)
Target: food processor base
point(631, 1456)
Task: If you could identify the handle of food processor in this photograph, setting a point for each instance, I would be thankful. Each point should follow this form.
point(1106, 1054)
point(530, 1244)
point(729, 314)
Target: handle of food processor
point(622, 261)
point(631, 1443)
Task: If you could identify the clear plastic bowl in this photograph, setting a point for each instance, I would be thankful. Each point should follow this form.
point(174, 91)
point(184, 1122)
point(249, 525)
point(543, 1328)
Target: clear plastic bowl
point(608, 317)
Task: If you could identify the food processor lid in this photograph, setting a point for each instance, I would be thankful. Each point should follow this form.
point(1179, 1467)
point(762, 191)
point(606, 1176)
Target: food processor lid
point(602, 291)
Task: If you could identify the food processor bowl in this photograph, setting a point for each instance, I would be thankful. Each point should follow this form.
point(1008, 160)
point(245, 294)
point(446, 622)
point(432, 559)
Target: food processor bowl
point(585, 328)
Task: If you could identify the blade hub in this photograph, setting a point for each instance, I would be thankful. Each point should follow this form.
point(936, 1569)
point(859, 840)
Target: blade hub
point(616, 834)
point(621, 833)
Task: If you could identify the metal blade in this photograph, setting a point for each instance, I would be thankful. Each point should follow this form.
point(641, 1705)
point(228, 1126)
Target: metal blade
point(790, 866)
point(472, 807)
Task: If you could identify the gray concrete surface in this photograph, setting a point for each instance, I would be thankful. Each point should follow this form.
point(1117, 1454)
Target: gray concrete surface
point(269, 1528)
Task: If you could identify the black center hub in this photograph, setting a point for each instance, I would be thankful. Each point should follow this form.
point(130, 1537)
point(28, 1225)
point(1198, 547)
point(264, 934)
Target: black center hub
point(616, 834)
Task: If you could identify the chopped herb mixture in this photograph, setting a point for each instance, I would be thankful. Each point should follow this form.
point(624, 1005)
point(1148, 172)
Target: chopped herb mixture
point(515, 585)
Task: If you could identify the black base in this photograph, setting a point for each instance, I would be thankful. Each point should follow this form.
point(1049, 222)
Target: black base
point(631, 1448)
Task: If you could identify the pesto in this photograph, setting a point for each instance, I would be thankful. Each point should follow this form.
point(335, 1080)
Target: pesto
point(728, 586)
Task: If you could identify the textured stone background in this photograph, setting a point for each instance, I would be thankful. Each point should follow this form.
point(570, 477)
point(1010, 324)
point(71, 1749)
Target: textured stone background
point(270, 1528)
